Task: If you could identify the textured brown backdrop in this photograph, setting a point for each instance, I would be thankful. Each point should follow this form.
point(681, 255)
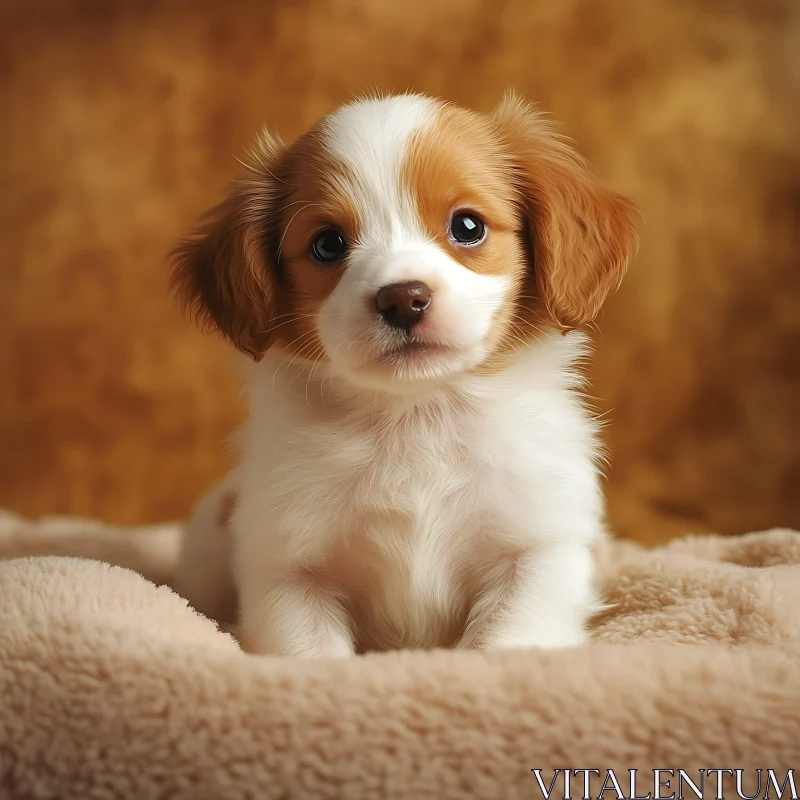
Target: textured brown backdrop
point(120, 123)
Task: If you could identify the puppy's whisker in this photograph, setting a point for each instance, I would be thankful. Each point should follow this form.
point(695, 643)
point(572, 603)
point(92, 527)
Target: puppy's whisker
point(287, 363)
point(310, 356)
point(317, 360)
point(288, 321)
point(288, 225)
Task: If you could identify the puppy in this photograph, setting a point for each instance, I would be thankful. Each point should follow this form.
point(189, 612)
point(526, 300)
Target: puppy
point(418, 470)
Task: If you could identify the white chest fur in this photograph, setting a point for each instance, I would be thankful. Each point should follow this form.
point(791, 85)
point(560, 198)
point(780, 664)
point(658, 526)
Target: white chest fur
point(400, 510)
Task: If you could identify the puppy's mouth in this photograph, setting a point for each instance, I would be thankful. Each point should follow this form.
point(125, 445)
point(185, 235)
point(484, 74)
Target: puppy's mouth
point(415, 346)
point(413, 350)
point(403, 361)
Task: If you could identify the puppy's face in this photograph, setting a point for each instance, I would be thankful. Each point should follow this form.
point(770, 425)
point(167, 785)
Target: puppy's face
point(405, 241)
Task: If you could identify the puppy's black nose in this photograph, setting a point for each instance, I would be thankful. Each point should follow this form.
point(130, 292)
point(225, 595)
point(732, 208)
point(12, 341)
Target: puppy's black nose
point(403, 305)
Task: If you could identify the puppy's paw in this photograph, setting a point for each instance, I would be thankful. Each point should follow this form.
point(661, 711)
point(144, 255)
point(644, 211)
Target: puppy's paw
point(259, 643)
point(546, 638)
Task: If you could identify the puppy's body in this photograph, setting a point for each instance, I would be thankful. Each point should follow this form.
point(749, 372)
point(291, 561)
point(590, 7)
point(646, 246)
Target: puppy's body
point(396, 514)
point(420, 473)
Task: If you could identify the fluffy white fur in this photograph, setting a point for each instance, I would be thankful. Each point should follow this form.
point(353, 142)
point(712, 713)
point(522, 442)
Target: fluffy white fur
point(436, 508)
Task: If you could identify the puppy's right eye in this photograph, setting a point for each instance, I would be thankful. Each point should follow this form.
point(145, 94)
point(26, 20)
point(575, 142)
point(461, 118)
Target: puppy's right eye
point(467, 228)
point(329, 246)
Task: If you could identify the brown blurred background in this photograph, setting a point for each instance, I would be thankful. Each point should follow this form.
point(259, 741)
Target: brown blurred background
point(120, 124)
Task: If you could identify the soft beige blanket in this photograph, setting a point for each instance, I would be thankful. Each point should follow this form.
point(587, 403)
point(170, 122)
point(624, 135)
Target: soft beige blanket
point(112, 687)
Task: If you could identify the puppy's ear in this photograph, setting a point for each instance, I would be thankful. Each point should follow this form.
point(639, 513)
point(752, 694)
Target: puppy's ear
point(581, 233)
point(224, 272)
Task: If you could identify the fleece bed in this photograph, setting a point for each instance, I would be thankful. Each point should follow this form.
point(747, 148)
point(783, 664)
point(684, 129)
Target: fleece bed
point(111, 686)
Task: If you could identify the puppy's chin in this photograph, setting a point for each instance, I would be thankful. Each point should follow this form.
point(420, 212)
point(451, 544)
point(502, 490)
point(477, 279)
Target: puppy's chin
point(413, 370)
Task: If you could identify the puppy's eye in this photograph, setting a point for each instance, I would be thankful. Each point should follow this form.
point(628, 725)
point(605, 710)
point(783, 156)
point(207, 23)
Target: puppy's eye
point(467, 229)
point(329, 246)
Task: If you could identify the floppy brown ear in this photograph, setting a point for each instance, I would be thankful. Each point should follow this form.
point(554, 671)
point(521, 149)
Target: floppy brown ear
point(581, 233)
point(223, 271)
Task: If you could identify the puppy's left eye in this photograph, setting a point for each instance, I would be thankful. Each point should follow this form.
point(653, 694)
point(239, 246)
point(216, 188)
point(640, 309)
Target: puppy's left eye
point(329, 246)
point(467, 228)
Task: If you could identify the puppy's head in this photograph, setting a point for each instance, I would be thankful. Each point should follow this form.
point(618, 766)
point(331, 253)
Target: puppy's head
point(406, 241)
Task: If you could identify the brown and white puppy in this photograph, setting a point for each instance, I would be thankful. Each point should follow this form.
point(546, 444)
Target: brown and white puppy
point(418, 469)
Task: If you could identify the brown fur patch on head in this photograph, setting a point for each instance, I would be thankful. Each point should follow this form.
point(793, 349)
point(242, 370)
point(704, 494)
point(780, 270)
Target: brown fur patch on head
point(461, 165)
point(247, 271)
point(313, 200)
point(223, 271)
point(581, 233)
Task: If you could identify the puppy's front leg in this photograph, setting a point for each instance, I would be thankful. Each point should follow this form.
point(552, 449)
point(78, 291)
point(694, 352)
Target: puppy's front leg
point(540, 597)
point(294, 616)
